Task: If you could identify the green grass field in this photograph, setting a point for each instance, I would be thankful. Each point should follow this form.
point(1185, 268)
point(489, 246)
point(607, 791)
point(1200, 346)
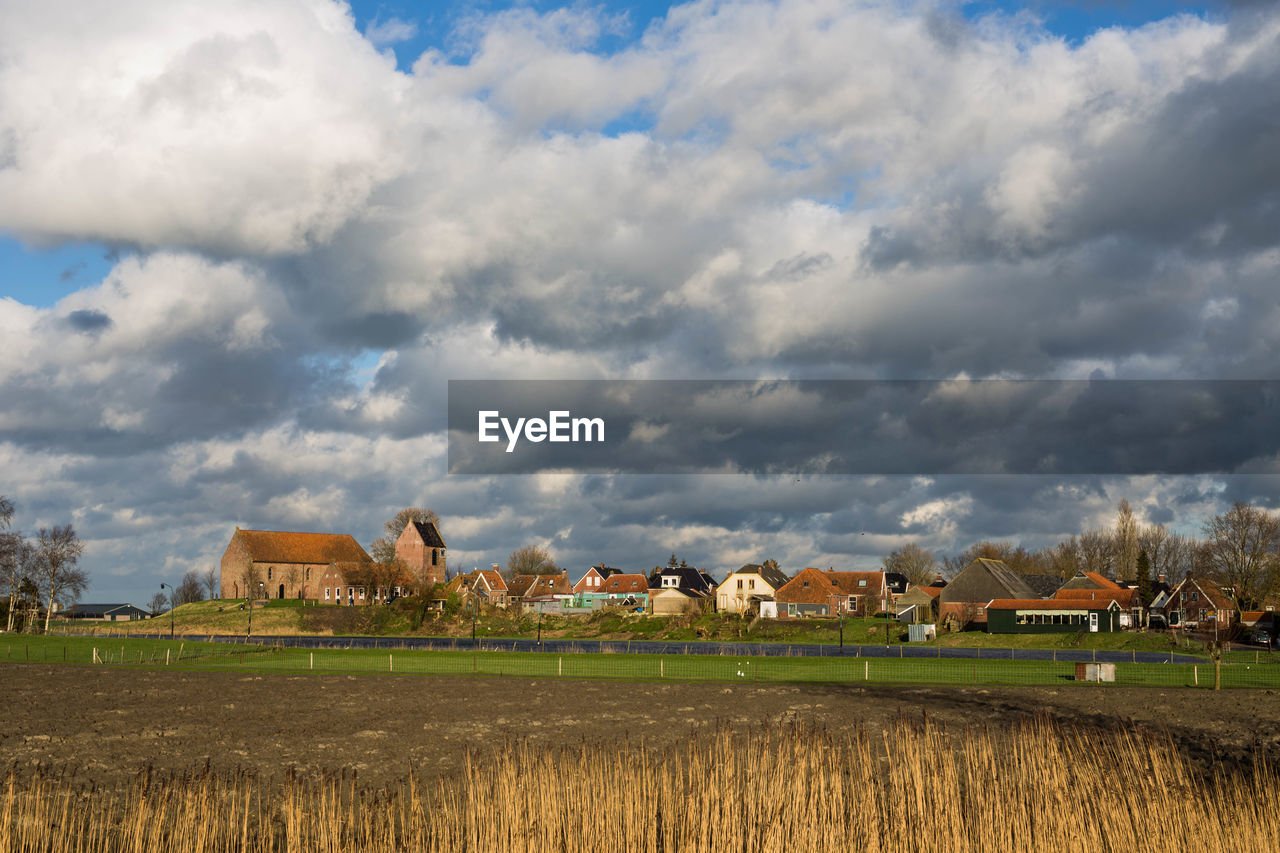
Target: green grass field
point(266, 658)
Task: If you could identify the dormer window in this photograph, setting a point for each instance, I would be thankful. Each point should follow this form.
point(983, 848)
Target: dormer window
point(862, 582)
point(670, 582)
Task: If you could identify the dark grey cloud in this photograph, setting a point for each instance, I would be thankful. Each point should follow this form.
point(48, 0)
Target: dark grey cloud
point(88, 321)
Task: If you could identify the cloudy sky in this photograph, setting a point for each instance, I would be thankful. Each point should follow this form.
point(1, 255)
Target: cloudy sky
point(244, 245)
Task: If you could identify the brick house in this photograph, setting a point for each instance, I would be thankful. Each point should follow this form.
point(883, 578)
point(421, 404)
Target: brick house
point(288, 564)
point(814, 592)
point(421, 548)
point(593, 580)
point(1194, 602)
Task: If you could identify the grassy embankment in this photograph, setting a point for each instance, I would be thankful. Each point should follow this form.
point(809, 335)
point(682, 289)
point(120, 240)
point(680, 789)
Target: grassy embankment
point(916, 787)
point(283, 617)
point(175, 654)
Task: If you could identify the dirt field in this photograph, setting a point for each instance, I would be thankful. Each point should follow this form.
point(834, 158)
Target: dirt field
point(110, 722)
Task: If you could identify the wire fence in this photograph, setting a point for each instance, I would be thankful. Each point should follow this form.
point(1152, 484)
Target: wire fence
point(1263, 671)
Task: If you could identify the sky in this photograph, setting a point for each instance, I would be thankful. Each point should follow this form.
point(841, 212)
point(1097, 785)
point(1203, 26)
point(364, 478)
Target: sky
point(244, 247)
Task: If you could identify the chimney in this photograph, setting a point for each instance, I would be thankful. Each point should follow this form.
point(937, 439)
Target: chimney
point(495, 567)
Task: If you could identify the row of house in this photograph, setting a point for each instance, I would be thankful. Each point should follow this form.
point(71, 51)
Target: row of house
point(334, 568)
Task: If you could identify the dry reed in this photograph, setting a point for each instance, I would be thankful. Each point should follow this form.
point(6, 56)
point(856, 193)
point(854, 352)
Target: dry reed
point(913, 787)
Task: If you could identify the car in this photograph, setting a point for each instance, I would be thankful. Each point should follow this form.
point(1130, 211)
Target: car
point(1260, 637)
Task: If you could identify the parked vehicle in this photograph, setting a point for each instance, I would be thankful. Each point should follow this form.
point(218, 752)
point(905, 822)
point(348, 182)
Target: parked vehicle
point(1260, 637)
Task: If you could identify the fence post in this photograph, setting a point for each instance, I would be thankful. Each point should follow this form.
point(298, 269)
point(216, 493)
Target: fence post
point(661, 669)
point(166, 657)
point(313, 660)
point(866, 673)
point(1195, 675)
point(391, 664)
point(560, 666)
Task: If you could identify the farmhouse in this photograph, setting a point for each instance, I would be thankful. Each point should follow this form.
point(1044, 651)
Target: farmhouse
point(286, 564)
point(964, 600)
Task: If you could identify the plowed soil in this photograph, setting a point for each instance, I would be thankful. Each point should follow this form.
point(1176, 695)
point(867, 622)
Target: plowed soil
point(107, 723)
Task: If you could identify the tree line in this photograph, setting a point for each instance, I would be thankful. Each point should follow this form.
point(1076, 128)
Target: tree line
point(39, 571)
point(1238, 549)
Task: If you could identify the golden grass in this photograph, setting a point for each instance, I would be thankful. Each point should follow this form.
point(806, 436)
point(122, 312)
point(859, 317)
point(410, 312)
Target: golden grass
point(914, 787)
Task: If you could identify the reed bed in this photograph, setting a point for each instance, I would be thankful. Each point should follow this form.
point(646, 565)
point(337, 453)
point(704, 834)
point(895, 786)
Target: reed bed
point(912, 787)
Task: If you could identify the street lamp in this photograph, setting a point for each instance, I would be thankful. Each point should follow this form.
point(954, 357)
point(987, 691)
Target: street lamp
point(164, 586)
point(249, 604)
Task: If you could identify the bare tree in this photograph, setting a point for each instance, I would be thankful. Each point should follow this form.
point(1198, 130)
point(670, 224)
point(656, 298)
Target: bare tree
point(1064, 558)
point(211, 583)
point(59, 580)
point(17, 569)
point(915, 563)
point(1240, 551)
point(1125, 542)
point(383, 549)
point(531, 560)
point(190, 590)
point(1096, 553)
point(159, 602)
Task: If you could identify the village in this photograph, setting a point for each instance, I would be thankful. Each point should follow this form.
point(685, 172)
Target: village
point(985, 595)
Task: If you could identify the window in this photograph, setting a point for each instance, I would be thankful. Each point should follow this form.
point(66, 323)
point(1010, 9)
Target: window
point(1195, 596)
point(791, 610)
point(326, 593)
point(739, 583)
point(268, 573)
point(362, 593)
point(308, 577)
point(862, 582)
point(751, 583)
point(804, 584)
point(670, 582)
point(435, 557)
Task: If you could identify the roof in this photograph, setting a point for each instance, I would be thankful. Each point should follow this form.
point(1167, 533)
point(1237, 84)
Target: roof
point(983, 580)
point(810, 586)
point(279, 546)
point(691, 579)
point(1043, 585)
point(931, 591)
point(1211, 593)
point(771, 575)
point(857, 583)
point(492, 578)
point(430, 533)
point(1123, 597)
point(1090, 580)
point(529, 586)
point(1071, 604)
point(625, 583)
point(91, 610)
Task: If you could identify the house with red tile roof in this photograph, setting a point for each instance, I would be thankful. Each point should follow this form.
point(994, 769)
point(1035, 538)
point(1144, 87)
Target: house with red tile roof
point(813, 592)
